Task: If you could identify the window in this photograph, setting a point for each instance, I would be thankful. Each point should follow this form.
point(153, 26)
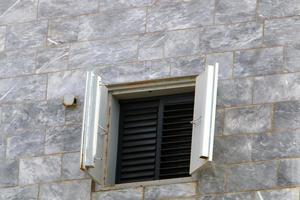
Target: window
point(155, 137)
point(159, 108)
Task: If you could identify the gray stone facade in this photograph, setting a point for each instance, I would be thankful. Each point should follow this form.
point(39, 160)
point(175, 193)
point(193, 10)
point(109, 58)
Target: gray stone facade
point(47, 45)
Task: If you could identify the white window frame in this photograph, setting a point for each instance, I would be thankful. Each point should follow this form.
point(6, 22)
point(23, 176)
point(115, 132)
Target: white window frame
point(102, 169)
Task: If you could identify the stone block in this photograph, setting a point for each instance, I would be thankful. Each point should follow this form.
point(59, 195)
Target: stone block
point(2, 147)
point(281, 8)
point(108, 24)
point(258, 62)
point(170, 15)
point(225, 61)
point(120, 4)
point(26, 35)
point(9, 171)
point(124, 194)
point(219, 122)
point(70, 167)
point(289, 172)
point(2, 37)
point(40, 169)
point(237, 196)
point(230, 37)
point(256, 119)
point(184, 66)
point(19, 193)
point(287, 115)
point(292, 54)
point(282, 194)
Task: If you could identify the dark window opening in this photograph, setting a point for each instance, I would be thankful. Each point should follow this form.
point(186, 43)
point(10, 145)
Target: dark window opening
point(155, 138)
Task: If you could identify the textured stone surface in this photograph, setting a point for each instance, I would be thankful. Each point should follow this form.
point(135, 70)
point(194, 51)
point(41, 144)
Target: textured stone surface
point(31, 116)
point(251, 176)
point(52, 59)
point(62, 8)
point(182, 66)
point(282, 31)
point(169, 191)
point(31, 34)
point(289, 172)
point(68, 82)
point(219, 122)
point(62, 139)
point(19, 193)
point(225, 61)
point(70, 190)
point(121, 4)
point(168, 44)
point(255, 119)
point(280, 8)
point(276, 88)
point(126, 194)
point(276, 145)
point(91, 54)
point(12, 11)
point(9, 170)
point(23, 89)
point(2, 147)
point(108, 24)
point(258, 62)
point(211, 179)
point(232, 149)
point(291, 194)
point(63, 31)
point(16, 63)
point(293, 58)
point(234, 92)
point(229, 11)
point(170, 14)
point(40, 169)
point(26, 143)
point(2, 37)
point(70, 168)
point(230, 37)
point(238, 196)
point(287, 115)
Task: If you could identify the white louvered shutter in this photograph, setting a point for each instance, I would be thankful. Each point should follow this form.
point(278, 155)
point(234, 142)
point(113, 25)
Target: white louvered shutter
point(94, 127)
point(204, 117)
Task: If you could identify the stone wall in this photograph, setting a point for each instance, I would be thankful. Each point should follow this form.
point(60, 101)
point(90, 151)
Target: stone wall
point(47, 45)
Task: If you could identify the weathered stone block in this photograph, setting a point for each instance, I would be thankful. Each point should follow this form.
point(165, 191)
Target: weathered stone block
point(26, 35)
point(2, 37)
point(19, 193)
point(251, 176)
point(211, 179)
point(256, 119)
point(120, 4)
point(232, 149)
point(287, 115)
point(26, 143)
point(238, 196)
point(293, 58)
point(16, 63)
point(74, 114)
point(276, 145)
point(64, 30)
point(108, 24)
point(258, 62)
point(230, 37)
point(91, 54)
point(62, 139)
point(70, 190)
point(2, 147)
point(52, 59)
point(228, 11)
point(284, 194)
point(63, 8)
point(23, 89)
point(289, 172)
point(170, 15)
point(282, 31)
point(70, 167)
point(125, 194)
point(281, 8)
point(68, 82)
point(225, 61)
point(219, 122)
point(9, 170)
point(12, 11)
point(274, 88)
point(170, 191)
point(40, 169)
point(234, 92)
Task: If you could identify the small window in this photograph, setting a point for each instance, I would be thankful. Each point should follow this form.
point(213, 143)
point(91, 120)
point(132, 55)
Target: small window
point(155, 137)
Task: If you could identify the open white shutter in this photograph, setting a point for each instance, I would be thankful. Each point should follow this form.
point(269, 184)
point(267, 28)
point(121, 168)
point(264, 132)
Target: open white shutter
point(204, 117)
point(94, 127)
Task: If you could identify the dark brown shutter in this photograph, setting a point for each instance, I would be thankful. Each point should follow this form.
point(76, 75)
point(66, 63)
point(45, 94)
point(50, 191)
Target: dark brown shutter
point(154, 138)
